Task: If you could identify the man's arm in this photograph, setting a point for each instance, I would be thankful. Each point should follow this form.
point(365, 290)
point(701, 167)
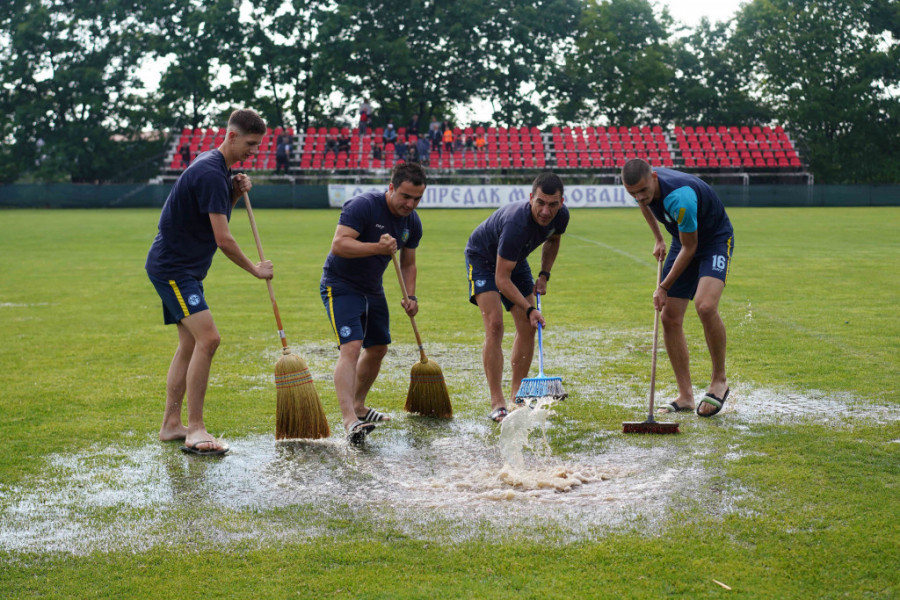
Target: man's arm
point(347, 245)
point(408, 272)
point(548, 257)
point(503, 279)
point(659, 248)
point(230, 248)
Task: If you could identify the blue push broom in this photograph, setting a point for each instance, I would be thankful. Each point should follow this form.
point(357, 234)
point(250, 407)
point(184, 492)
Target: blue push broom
point(541, 386)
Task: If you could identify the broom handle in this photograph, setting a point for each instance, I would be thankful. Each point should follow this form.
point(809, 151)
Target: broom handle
point(284, 344)
point(406, 297)
point(540, 340)
point(655, 340)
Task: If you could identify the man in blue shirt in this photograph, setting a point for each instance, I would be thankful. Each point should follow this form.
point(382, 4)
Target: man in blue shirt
point(499, 276)
point(696, 269)
point(193, 224)
point(371, 228)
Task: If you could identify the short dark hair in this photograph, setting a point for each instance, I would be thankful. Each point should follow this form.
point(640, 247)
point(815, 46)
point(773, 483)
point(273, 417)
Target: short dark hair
point(411, 172)
point(635, 170)
point(549, 183)
point(246, 121)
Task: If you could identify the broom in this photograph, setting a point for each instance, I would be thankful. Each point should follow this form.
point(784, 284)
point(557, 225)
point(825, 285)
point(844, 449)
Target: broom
point(542, 385)
point(298, 413)
point(428, 395)
point(651, 425)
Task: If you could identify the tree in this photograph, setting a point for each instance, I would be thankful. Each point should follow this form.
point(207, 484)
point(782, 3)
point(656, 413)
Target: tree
point(830, 70)
point(66, 77)
point(711, 83)
point(199, 39)
point(620, 67)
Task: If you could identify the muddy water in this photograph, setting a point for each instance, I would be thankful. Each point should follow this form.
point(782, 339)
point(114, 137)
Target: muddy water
point(447, 481)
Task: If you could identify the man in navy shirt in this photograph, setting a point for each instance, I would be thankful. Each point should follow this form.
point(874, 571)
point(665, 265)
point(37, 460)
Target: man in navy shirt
point(193, 224)
point(371, 228)
point(696, 268)
point(499, 275)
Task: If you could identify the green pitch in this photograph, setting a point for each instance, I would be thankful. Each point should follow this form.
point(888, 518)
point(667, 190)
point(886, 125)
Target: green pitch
point(790, 492)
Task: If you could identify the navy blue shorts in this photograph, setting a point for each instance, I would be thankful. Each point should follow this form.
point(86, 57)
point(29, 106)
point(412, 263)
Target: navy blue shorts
point(481, 279)
point(713, 261)
point(356, 316)
point(180, 297)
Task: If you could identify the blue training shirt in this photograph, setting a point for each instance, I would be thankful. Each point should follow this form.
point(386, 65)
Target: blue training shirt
point(688, 204)
point(369, 215)
point(185, 244)
point(512, 233)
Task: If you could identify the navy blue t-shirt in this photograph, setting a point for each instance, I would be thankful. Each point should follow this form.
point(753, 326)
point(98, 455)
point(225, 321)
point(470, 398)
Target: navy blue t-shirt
point(185, 244)
point(512, 233)
point(678, 193)
point(369, 215)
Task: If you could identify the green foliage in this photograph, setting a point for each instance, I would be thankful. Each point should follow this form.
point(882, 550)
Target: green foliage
point(827, 70)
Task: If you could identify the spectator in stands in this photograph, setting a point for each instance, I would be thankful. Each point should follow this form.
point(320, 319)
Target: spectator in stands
point(365, 116)
point(390, 134)
point(401, 149)
point(344, 143)
point(413, 127)
point(423, 146)
point(283, 153)
point(480, 142)
point(377, 151)
point(470, 142)
point(435, 135)
point(499, 276)
point(696, 268)
point(372, 227)
point(193, 224)
point(185, 152)
point(459, 143)
point(331, 144)
point(448, 137)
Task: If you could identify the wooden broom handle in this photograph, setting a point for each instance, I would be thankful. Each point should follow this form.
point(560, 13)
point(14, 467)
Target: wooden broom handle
point(659, 266)
point(284, 344)
point(406, 297)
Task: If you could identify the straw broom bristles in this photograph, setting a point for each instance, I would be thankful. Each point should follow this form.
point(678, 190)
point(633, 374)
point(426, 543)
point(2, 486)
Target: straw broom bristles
point(428, 393)
point(299, 412)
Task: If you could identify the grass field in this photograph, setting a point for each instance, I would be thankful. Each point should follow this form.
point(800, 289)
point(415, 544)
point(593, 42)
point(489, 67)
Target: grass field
point(792, 492)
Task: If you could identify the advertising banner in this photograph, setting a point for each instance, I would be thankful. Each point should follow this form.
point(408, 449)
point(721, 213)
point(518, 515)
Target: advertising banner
point(493, 196)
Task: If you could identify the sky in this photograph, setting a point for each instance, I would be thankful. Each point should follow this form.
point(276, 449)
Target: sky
point(690, 12)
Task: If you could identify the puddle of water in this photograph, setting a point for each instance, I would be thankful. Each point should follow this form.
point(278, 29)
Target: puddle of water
point(447, 480)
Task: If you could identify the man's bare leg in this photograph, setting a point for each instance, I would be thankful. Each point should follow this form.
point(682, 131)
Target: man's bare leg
point(345, 380)
point(522, 350)
point(706, 301)
point(676, 347)
point(492, 350)
point(176, 385)
point(367, 369)
point(206, 341)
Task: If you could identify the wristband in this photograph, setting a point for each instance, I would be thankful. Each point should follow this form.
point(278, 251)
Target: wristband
point(413, 298)
point(528, 312)
point(665, 288)
point(545, 274)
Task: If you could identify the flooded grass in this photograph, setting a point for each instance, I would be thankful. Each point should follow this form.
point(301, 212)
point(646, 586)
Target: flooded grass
point(448, 481)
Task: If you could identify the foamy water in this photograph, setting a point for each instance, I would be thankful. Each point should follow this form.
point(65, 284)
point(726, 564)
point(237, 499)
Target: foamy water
point(427, 479)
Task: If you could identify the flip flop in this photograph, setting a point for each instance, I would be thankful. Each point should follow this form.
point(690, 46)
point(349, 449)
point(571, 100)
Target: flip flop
point(193, 449)
point(498, 414)
point(671, 407)
point(358, 432)
point(373, 416)
point(711, 398)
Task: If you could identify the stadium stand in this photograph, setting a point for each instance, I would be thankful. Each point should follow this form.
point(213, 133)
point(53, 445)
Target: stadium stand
point(574, 149)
